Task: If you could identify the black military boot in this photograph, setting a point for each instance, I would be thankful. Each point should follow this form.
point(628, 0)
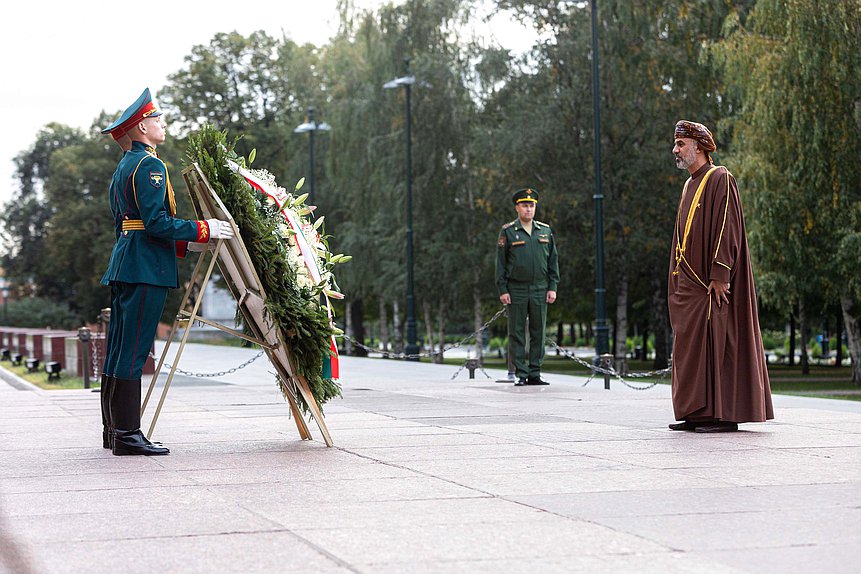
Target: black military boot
point(105, 398)
point(126, 417)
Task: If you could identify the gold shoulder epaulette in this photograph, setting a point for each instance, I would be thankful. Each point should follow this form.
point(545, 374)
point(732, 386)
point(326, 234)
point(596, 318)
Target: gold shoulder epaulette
point(540, 223)
point(509, 224)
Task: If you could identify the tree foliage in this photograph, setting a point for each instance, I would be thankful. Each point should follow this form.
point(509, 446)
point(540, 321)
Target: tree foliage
point(793, 68)
point(778, 78)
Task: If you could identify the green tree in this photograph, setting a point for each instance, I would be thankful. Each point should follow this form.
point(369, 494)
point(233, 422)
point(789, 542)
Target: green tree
point(793, 67)
point(257, 86)
point(542, 133)
point(368, 149)
point(25, 216)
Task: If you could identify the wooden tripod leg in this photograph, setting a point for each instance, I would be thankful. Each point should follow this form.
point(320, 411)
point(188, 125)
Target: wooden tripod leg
point(303, 387)
point(185, 337)
point(173, 330)
point(301, 424)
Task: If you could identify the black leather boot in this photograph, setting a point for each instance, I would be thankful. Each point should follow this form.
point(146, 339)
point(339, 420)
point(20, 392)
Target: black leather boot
point(126, 417)
point(105, 397)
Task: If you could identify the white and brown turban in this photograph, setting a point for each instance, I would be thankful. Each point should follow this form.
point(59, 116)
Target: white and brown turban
point(698, 133)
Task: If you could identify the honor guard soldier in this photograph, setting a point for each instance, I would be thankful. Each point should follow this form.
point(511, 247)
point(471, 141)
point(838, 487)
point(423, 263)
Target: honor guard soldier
point(149, 238)
point(527, 275)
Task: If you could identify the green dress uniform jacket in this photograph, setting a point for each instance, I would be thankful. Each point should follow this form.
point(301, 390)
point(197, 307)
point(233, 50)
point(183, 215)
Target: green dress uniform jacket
point(527, 267)
point(149, 237)
point(524, 260)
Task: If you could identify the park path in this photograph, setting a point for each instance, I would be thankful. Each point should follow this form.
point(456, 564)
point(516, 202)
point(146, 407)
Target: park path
point(428, 474)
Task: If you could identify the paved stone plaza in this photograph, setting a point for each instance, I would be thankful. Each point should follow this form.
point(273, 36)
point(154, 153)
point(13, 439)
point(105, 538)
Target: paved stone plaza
point(428, 474)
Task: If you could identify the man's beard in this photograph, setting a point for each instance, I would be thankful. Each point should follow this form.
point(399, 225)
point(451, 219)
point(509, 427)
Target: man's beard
point(684, 162)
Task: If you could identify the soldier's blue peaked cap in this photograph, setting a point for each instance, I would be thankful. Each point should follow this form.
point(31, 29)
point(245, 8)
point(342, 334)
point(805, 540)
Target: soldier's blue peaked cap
point(143, 107)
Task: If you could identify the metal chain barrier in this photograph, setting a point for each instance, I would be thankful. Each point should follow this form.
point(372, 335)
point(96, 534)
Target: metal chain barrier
point(430, 354)
point(611, 371)
point(593, 369)
point(96, 369)
point(209, 375)
point(463, 366)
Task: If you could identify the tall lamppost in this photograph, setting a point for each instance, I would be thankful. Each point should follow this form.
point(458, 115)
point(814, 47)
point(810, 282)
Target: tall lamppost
point(311, 126)
point(407, 81)
point(602, 343)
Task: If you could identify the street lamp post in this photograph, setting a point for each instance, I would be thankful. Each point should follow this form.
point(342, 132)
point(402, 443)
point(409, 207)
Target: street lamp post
point(407, 81)
point(311, 126)
point(602, 345)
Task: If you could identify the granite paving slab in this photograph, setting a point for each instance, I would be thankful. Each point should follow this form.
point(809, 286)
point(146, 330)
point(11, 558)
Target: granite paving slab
point(427, 474)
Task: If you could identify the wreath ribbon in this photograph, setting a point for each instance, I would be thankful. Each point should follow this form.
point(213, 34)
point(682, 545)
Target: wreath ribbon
point(331, 364)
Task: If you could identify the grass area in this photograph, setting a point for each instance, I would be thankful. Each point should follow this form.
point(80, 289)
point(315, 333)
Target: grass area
point(40, 379)
point(822, 382)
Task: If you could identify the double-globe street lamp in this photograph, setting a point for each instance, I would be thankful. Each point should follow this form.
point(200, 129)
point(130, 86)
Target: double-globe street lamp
point(407, 81)
point(311, 126)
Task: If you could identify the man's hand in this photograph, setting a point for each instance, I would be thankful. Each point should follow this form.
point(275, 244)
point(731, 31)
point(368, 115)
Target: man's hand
point(505, 298)
point(720, 290)
point(551, 296)
point(219, 229)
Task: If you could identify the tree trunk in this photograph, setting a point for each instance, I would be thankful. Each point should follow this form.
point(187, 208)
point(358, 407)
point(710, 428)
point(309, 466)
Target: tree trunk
point(805, 336)
point(348, 328)
point(621, 334)
point(573, 331)
point(384, 327)
point(660, 324)
point(426, 306)
point(852, 320)
point(589, 334)
point(478, 320)
point(358, 323)
point(644, 348)
point(612, 336)
point(440, 334)
point(560, 336)
point(838, 362)
point(398, 347)
point(792, 339)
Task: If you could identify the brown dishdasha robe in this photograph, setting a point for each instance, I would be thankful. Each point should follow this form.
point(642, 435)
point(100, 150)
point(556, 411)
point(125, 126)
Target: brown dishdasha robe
point(719, 370)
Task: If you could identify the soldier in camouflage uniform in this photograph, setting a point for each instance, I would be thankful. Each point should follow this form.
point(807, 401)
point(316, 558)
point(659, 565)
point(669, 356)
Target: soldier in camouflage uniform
point(527, 275)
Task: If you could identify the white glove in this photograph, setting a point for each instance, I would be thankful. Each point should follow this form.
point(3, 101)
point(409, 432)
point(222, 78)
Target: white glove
point(219, 229)
point(198, 247)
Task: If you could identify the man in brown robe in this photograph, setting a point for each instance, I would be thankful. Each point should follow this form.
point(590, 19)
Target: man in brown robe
point(719, 371)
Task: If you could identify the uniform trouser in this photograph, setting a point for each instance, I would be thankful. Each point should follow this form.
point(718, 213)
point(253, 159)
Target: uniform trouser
point(135, 312)
point(527, 302)
point(111, 339)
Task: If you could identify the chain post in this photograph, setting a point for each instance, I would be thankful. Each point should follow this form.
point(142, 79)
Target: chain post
point(84, 336)
point(607, 365)
point(593, 369)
